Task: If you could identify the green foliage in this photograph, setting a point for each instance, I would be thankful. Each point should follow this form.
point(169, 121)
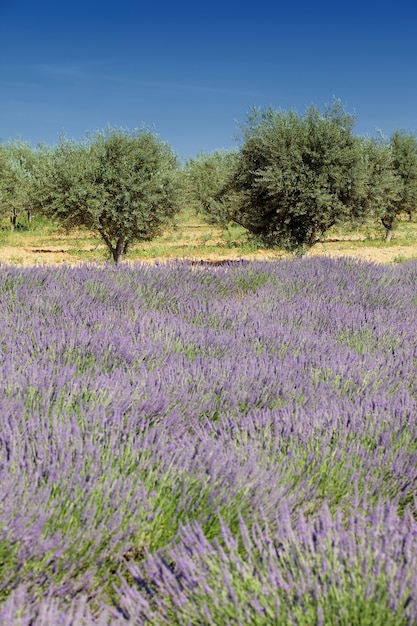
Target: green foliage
point(383, 185)
point(292, 180)
point(122, 185)
point(404, 163)
point(297, 177)
point(17, 162)
point(204, 178)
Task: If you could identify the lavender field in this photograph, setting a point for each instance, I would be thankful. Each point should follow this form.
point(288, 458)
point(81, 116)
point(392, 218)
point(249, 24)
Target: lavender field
point(209, 445)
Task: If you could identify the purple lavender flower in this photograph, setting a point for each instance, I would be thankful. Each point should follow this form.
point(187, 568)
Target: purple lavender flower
point(180, 443)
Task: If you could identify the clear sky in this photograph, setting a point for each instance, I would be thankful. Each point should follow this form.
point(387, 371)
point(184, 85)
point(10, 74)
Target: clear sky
point(192, 70)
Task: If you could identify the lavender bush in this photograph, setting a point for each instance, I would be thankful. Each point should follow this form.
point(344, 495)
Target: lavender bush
point(192, 444)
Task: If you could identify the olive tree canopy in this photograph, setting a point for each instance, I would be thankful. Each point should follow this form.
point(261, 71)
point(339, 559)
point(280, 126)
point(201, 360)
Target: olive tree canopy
point(17, 162)
point(403, 147)
point(123, 185)
point(204, 178)
point(298, 176)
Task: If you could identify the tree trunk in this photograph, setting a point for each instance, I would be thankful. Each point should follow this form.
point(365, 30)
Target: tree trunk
point(388, 234)
point(119, 250)
point(388, 222)
point(13, 220)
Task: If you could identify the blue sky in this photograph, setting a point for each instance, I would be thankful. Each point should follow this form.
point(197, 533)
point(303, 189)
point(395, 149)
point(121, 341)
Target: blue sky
point(192, 71)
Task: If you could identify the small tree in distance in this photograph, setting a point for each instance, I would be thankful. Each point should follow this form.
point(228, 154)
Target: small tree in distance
point(403, 147)
point(204, 178)
point(120, 184)
point(17, 162)
point(383, 185)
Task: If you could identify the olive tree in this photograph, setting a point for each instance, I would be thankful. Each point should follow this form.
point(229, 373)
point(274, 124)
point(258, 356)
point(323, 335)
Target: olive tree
point(120, 184)
point(404, 163)
point(298, 176)
point(205, 177)
point(17, 161)
point(383, 185)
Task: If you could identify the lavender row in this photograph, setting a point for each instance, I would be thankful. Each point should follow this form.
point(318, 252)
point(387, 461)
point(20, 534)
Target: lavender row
point(149, 408)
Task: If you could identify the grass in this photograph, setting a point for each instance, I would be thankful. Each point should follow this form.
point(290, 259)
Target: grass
point(42, 241)
point(190, 237)
point(372, 233)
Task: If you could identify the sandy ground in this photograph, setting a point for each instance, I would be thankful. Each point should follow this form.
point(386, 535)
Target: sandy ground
point(389, 254)
point(53, 255)
point(28, 256)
